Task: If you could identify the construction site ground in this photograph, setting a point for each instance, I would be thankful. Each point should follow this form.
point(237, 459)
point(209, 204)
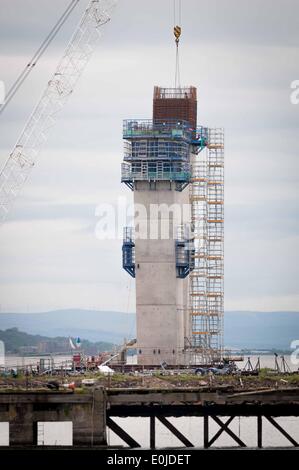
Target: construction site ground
point(265, 380)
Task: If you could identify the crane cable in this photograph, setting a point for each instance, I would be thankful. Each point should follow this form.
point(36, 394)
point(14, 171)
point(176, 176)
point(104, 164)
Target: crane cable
point(38, 54)
point(177, 30)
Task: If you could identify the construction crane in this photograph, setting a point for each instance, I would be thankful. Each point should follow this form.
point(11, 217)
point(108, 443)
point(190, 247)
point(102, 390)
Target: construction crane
point(31, 64)
point(61, 85)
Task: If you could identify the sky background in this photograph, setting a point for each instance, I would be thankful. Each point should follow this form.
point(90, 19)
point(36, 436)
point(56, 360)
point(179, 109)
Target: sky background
point(242, 55)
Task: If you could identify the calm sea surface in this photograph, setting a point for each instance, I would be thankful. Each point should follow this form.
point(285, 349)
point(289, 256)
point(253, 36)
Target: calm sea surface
point(19, 361)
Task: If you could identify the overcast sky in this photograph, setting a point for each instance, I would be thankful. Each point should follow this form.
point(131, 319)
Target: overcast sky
point(242, 55)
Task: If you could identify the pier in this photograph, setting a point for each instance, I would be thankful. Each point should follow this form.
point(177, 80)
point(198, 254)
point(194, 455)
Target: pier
point(94, 411)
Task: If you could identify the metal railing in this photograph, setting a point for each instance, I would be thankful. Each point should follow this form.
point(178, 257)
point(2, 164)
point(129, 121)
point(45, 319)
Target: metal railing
point(128, 251)
point(156, 149)
point(158, 128)
point(175, 93)
point(159, 172)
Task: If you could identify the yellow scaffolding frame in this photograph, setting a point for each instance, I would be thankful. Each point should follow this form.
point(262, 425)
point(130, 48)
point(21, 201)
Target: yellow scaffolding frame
point(206, 282)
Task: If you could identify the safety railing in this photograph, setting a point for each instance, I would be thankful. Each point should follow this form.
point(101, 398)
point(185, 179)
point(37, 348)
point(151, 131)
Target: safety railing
point(128, 251)
point(148, 172)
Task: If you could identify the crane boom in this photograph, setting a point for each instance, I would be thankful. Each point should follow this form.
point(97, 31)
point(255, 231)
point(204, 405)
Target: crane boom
point(23, 156)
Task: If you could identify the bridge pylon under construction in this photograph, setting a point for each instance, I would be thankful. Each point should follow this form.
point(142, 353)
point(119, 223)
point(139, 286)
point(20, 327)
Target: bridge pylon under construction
point(175, 169)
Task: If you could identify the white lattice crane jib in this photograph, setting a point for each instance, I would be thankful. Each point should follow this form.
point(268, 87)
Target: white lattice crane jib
point(61, 85)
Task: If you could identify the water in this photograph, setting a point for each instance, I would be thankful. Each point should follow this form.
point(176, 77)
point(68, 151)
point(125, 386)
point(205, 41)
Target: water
point(266, 361)
point(192, 428)
point(21, 361)
point(269, 362)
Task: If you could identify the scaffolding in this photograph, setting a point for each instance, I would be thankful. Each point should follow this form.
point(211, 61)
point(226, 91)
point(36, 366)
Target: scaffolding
point(155, 171)
point(128, 251)
point(159, 150)
point(206, 299)
point(167, 128)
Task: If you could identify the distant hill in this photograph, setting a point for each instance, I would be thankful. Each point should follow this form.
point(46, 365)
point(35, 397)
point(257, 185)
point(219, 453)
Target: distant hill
point(92, 325)
point(17, 341)
point(252, 330)
point(261, 330)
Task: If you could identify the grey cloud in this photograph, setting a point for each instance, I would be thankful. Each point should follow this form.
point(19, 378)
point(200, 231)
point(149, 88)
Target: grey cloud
point(242, 55)
point(140, 21)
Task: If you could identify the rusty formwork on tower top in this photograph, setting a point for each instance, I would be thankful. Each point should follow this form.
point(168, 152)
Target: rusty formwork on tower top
point(175, 103)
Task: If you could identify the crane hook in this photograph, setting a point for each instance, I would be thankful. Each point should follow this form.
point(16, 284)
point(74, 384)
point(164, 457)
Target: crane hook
point(177, 30)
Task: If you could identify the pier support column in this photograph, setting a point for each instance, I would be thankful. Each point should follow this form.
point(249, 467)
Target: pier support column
point(206, 431)
point(259, 432)
point(22, 427)
point(23, 411)
point(89, 424)
point(152, 432)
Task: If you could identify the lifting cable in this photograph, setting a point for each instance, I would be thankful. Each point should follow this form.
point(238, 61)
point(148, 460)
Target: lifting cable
point(38, 54)
point(177, 30)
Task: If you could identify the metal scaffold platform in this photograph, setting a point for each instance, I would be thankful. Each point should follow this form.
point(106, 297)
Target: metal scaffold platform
point(206, 289)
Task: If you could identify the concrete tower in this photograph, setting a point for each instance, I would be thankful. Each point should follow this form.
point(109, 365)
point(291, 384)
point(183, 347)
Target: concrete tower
point(157, 251)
